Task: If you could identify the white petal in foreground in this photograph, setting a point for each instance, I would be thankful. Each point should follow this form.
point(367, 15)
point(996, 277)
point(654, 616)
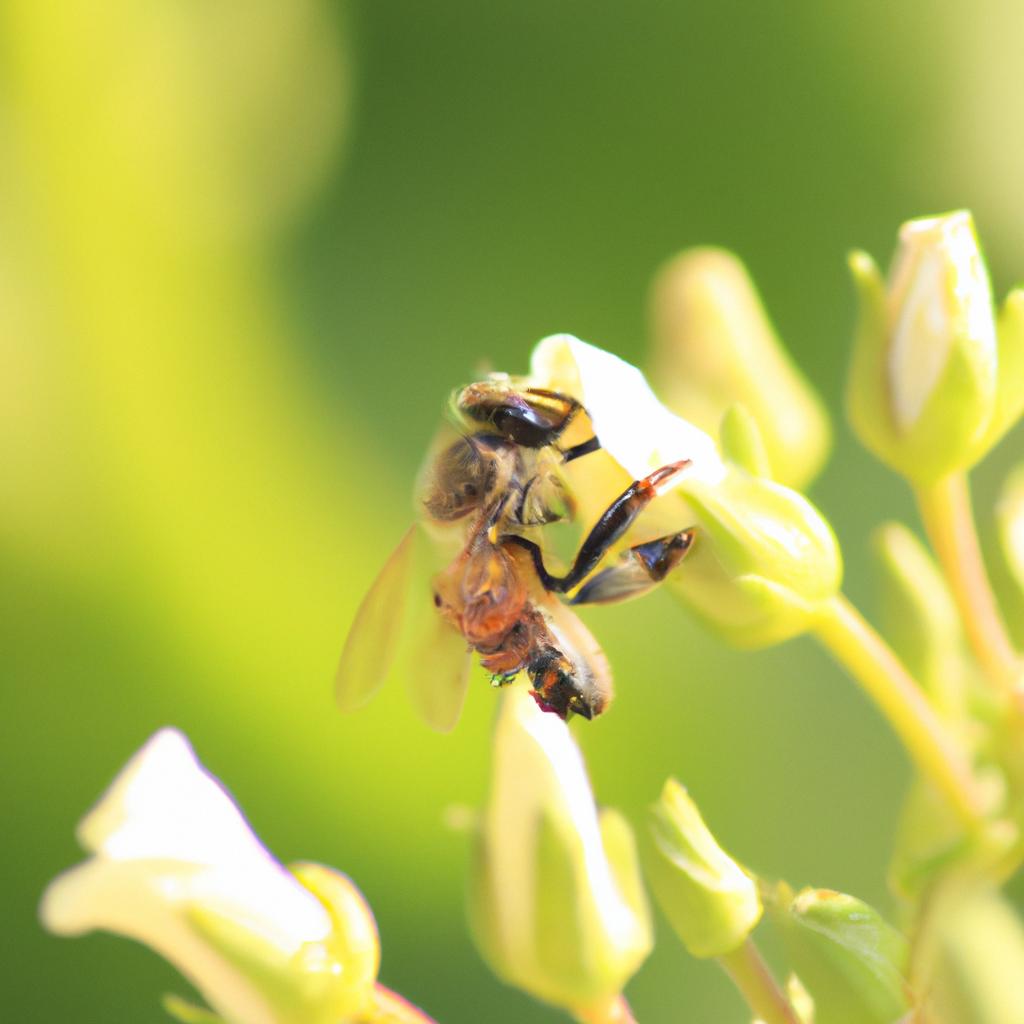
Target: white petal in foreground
point(629, 420)
point(167, 841)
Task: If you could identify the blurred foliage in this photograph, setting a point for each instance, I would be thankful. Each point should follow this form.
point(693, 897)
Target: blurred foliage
point(247, 249)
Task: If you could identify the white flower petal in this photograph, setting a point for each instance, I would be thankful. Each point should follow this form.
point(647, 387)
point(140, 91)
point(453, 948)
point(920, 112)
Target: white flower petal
point(163, 803)
point(167, 839)
point(134, 899)
point(629, 420)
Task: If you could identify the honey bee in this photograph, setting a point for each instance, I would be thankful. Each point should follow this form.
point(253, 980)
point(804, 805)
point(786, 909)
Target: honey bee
point(494, 488)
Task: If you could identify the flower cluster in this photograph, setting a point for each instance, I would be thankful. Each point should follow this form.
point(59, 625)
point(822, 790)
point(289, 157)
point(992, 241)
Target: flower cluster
point(557, 900)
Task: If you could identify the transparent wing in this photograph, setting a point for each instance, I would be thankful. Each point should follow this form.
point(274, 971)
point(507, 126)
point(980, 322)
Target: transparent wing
point(373, 638)
point(438, 676)
point(437, 659)
point(398, 631)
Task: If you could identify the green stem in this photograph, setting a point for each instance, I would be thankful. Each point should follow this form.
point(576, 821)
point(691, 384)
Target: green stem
point(949, 522)
point(752, 976)
point(872, 663)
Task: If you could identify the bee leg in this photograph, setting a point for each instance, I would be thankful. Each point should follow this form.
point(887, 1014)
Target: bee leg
point(578, 450)
point(614, 522)
point(642, 568)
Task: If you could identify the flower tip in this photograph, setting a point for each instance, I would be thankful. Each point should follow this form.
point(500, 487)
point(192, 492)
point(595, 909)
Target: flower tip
point(165, 755)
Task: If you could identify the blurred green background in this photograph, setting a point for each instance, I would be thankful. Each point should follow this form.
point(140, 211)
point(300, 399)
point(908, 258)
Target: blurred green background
point(246, 249)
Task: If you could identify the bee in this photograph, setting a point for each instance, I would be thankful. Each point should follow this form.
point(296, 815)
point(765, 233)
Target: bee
point(493, 489)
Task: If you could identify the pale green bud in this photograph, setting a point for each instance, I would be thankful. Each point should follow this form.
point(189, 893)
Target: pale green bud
point(714, 347)
point(921, 618)
point(923, 383)
point(175, 865)
point(556, 901)
point(849, 958)
point(710, 901)
point(764, 561)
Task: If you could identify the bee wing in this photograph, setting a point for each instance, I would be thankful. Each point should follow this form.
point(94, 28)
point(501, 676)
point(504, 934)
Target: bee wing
point(439, 674)
point(397, 623)
point(372, 641)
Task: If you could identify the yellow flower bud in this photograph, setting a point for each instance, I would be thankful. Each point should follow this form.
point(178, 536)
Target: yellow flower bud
point(924, 380)
point(710, 901)
point(714, 347)
point(556, 901)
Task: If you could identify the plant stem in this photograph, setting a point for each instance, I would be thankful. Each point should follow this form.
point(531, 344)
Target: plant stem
point(615, 1012)
point(752, 976)
point(949, 522)
point(872, 663)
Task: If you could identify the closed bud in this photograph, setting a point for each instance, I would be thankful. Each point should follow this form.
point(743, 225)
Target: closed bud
point(710, 901)
point(764, 564)
point(924, 379)
point(764, 561)
point(556, 901)
point(714, 347)
point(850, 959)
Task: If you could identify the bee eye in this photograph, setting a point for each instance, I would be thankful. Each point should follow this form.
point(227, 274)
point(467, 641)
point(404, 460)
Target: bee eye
point(469, 490)
point(437, 600)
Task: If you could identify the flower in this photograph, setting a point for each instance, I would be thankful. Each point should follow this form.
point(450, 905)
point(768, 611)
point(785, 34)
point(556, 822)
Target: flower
point(714, 348)
point(175, 865)
point(934, 383)
point(764, 561)
point(556, 901)
point(710, 901)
